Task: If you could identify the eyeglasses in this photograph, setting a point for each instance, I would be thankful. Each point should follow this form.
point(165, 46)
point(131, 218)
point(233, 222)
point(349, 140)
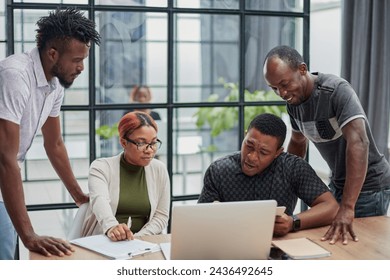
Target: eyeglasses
point(142, 146)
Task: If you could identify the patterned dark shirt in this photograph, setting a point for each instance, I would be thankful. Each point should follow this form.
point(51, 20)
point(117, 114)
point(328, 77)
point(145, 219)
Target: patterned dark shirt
point(285, 180)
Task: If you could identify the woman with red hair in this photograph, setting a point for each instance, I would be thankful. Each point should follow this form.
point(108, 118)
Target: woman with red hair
point(130, 192)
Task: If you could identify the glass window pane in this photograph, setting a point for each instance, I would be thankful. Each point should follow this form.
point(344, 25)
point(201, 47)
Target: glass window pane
point(157, 65)
point(184, 202)
point(54, 1)
point(25, 25)
point(207, 57)
point(275, 5)
point(195, 147)
point(147, 3)
point(132, 53)
point(106, 133)
point(277, 31)
point(38, 173)
point(215, 4)
point(78, 93)
point(187, 22)
point(3, 24)
point(3, 52)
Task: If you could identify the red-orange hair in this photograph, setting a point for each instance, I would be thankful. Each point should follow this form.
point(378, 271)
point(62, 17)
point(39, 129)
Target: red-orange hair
point(133, 120)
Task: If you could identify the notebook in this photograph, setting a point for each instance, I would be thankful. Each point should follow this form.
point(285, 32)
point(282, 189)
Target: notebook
point(301, 248)
point(222, 231)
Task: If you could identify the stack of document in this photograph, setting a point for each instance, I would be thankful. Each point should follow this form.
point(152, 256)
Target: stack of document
point(126, 249)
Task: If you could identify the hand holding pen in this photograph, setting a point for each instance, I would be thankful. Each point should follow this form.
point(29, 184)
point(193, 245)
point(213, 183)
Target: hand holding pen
point(121, 232)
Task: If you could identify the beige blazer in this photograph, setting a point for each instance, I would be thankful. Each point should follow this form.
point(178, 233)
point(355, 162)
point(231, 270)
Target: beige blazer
point(103, 184)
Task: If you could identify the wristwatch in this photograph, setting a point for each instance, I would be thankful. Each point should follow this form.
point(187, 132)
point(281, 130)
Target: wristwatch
point(296, 223)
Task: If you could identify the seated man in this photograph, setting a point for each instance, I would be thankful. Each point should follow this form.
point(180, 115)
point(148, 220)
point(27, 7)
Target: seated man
point(263, 171)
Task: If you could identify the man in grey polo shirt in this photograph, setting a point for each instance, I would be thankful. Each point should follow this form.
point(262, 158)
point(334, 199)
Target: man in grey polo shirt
point(326, 110)
point(31, 93)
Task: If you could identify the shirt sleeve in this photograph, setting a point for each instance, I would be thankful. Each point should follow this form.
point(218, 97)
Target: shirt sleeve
point(308, 186)
point(98, 181)
point(346, 104)
point(210, 191)
point(14, 95)
point(294, 125)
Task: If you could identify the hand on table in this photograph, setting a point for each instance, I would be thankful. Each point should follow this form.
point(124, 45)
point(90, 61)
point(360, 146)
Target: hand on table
point(120, 232)
point(48, 246)
point(341, 226)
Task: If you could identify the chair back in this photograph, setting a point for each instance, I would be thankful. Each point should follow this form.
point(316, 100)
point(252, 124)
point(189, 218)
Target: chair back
point(75, 230)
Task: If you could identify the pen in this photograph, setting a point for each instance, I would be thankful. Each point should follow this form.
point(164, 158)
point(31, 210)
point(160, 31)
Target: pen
point(141, 252)
point(129, 222)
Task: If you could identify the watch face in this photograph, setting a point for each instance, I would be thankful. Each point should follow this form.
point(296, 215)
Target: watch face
point(296, 223)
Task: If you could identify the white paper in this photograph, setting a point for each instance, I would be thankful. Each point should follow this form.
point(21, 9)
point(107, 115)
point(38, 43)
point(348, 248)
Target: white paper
point(116, 249)
point(280, 210)
point(166, 249)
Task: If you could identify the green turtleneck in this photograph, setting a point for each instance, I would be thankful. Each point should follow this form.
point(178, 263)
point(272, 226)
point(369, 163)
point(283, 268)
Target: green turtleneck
point(133, 196)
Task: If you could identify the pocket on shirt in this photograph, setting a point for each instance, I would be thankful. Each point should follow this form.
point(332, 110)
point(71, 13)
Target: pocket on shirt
point(325, 129)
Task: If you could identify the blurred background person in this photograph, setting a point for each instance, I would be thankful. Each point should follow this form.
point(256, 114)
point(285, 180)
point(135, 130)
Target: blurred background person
point(142, 94)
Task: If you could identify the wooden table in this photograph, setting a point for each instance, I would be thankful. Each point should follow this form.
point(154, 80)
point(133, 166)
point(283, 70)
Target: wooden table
point(373, 244)
point(84, 254)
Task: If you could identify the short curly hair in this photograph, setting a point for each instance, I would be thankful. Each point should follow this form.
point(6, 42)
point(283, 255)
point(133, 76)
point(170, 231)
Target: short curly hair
point(271, 125)
point(65, 25)
point(287, 54)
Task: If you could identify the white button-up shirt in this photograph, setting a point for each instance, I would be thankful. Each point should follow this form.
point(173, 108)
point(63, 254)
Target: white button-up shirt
point(26, 97)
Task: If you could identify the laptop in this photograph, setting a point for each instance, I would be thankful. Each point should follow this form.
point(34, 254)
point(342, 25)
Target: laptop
point(222, 231)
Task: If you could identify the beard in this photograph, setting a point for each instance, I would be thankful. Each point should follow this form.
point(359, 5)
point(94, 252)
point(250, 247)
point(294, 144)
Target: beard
point(59, 73)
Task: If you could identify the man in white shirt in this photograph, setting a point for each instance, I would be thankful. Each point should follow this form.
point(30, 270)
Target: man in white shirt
point(31, 93)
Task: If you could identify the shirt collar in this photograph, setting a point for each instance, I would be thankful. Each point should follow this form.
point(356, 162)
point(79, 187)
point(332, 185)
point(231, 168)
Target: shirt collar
point(39, 73)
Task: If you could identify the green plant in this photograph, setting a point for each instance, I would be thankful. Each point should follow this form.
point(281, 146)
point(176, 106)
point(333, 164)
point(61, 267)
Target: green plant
point(107, 131)
point(222, 119)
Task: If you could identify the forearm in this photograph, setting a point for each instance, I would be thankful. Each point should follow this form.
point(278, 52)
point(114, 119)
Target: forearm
point(297, 146)
point(13, 196)
point(320, 215)
point(59, 159)
point(356, 170)
point(321, 212)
